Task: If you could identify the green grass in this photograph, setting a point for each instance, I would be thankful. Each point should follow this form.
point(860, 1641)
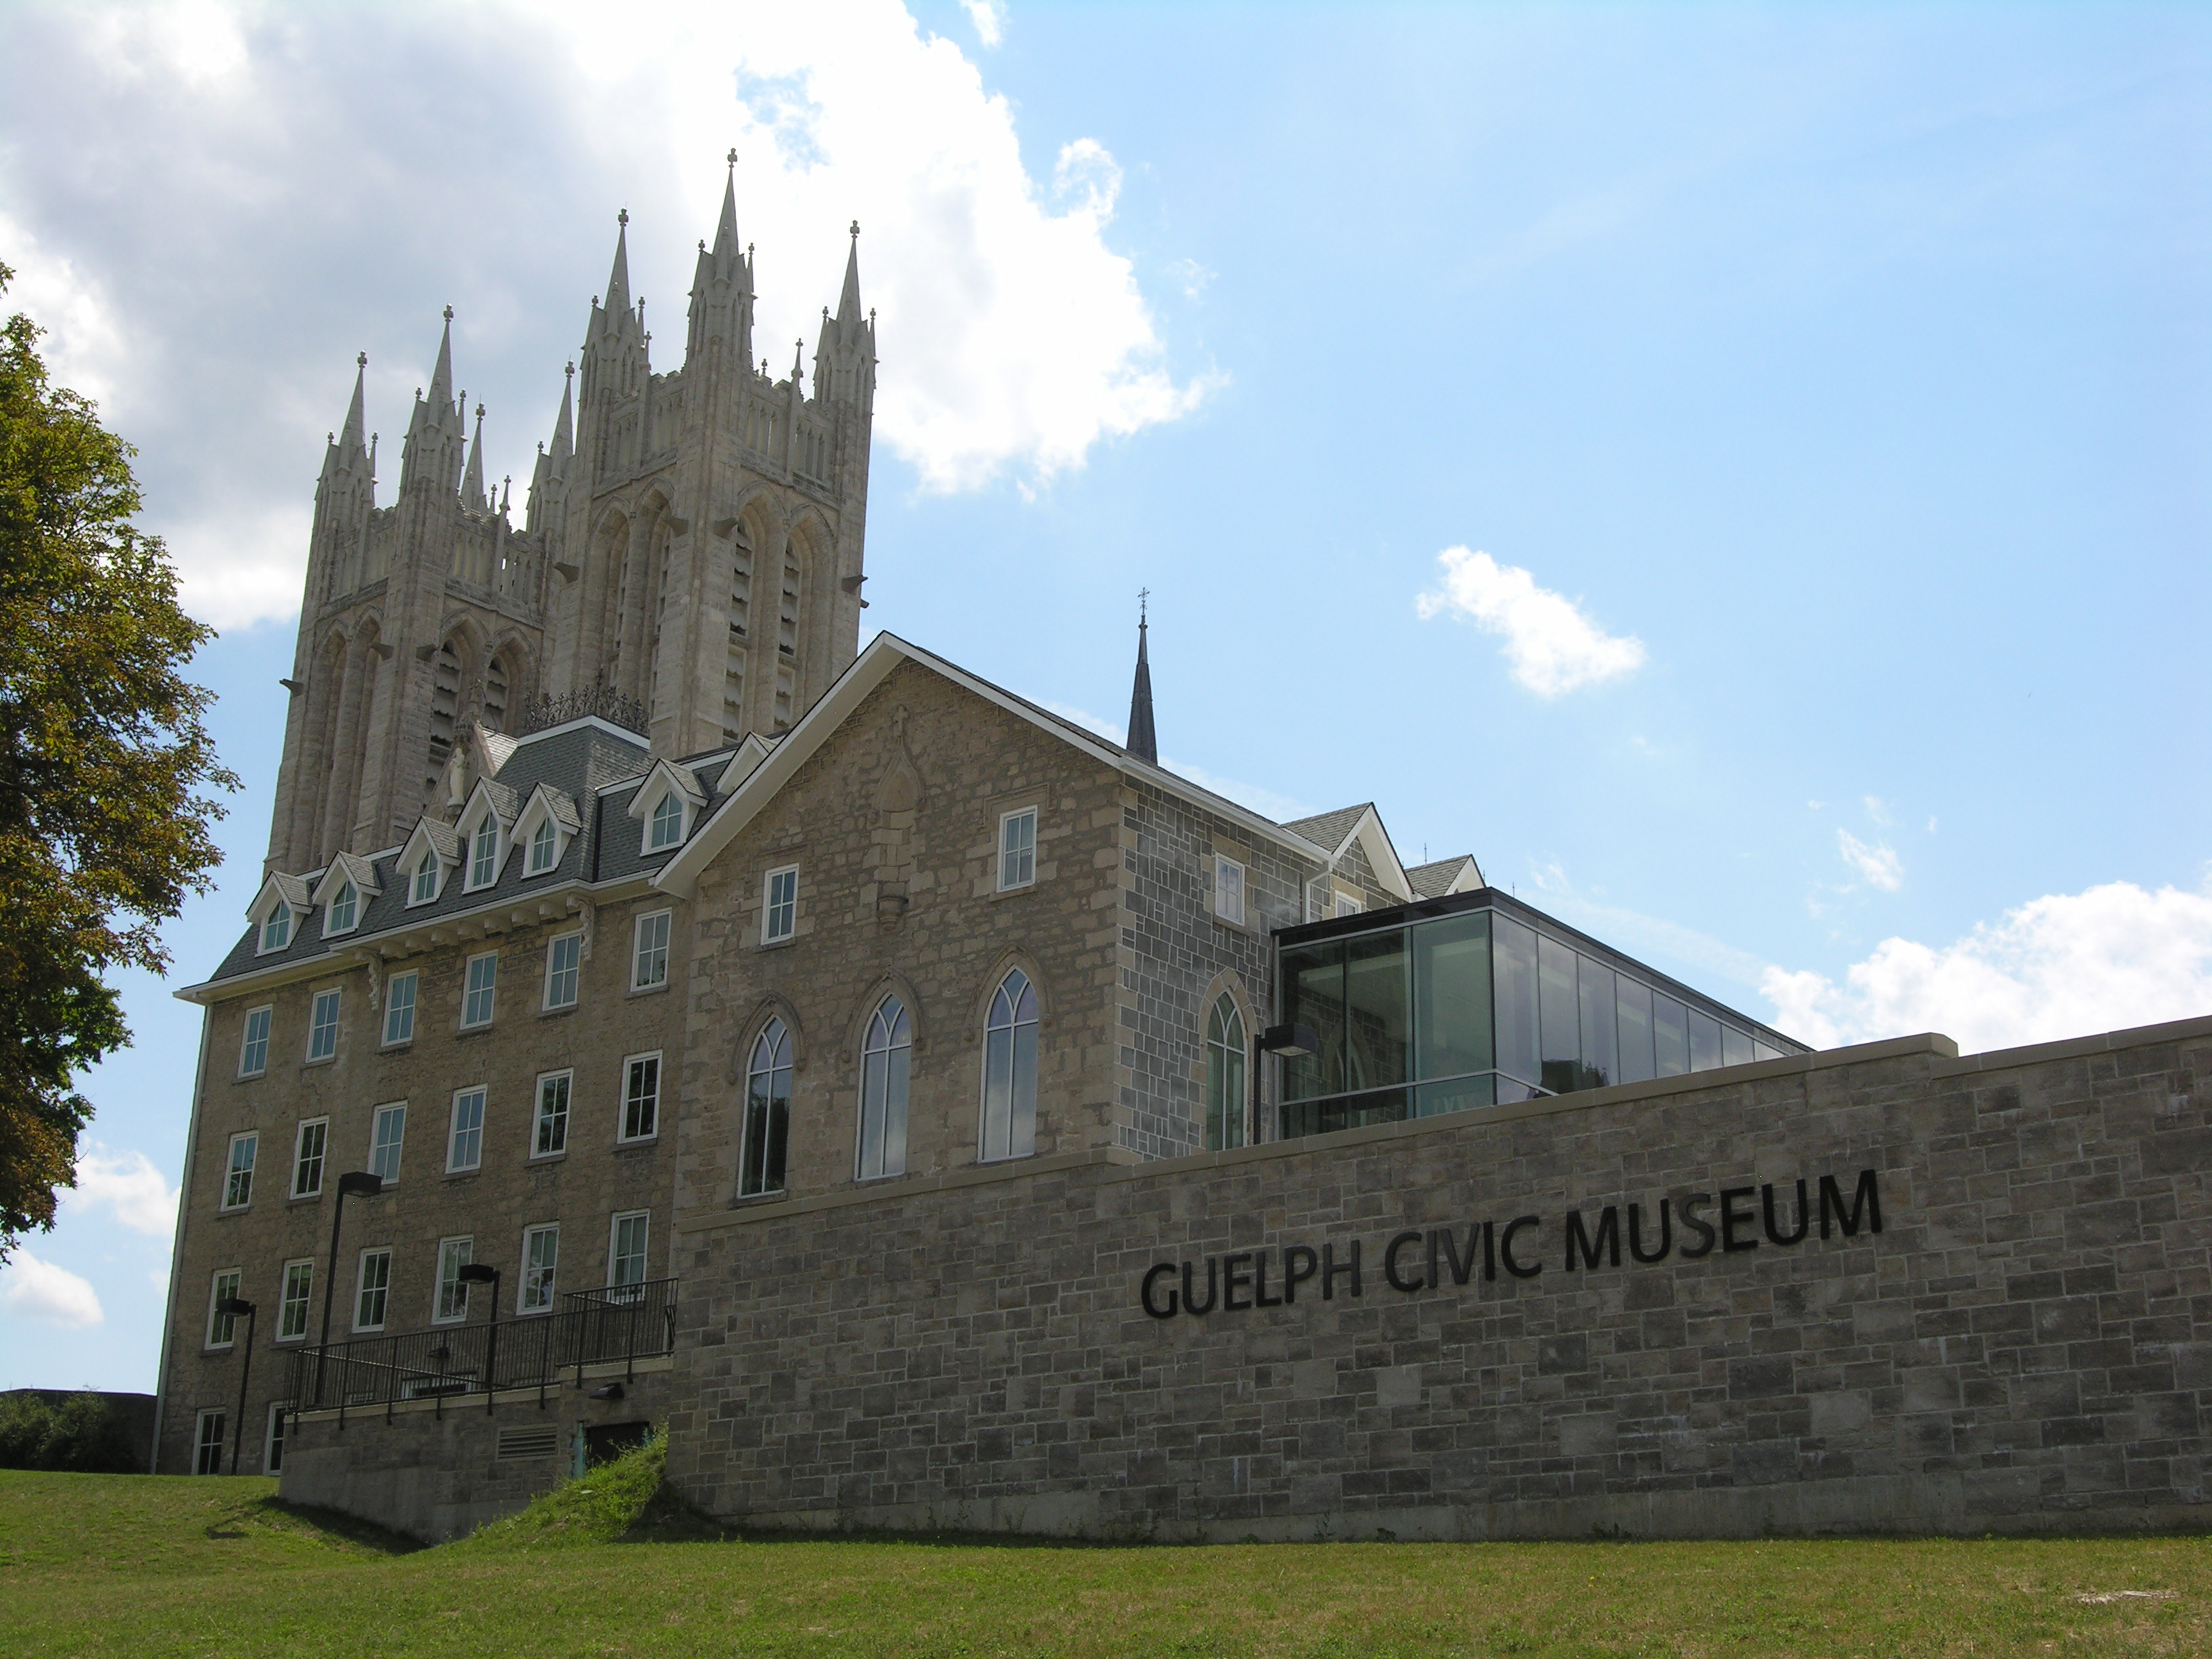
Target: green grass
point(147, 1567)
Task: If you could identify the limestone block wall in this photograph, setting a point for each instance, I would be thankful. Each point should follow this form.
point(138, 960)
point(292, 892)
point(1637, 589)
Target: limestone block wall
point(2024, 1342)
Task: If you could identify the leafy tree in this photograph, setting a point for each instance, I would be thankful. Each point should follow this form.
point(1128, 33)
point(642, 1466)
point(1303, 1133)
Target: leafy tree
point(104, 828)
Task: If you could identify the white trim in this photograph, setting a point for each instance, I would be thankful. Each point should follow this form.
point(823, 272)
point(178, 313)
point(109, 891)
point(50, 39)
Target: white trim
point(412, 978)
point(480, 811)
point(1222, 862)
point(666, 948)
point(223, 1205)
point(200, 1436)
point(300, 1156)
point(336, 996)
point(621, 1098)
point(284, 1284)
point(245, 1039)
point(545, 1003)
point(208, 1343)
point(468, 966)
point(663, 781)
point(999, 851)
point(375, 1121)
point(540, 811)
point(438, 1280)
point(453, 1128)
point(360, 1287)
point(563, 1074)
point(768, 905)
point(522, 1272)
point(272, 1436)
point(277, 891)
point(581, 720)
point(614, 1232)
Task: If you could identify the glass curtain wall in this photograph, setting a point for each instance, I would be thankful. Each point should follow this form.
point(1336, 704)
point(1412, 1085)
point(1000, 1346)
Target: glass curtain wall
point(1476, 1009)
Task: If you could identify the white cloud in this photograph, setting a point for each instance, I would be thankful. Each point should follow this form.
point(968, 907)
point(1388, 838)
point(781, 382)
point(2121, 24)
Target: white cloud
point(2065, 965)
point(32, 1288)
point(83, 345)
point(989, 18)
point(1877, 865)
point(1552, 647)
point(130, 1186)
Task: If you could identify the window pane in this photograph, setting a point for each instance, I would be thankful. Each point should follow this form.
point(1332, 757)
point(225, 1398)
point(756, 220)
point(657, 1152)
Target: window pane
point(1670, 1035)
point(238, 1189)
point(1018, 849)
point(642, 1098)
point(399, 1008)
point(323, 1027)
point(307, 1160)
point(253, 1053)
point(298, 1298)
point(1432, 1099)
point(453, 1255)
point(1735, 1046)
point(1513, 959)
point(1704, 1041)
point(1601, 1029)
point(651, 967)
point(383, 1150)
point(482, 982)
point(1313, 994)
point(1634, 1012)
point(467, 1147)
point(1560, 1017)
point(552, 1117)
point(1451, 996)
point(1378, 1038)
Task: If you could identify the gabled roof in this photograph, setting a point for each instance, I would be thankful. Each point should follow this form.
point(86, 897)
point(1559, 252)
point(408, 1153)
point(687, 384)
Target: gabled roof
point(348, 867)
point(1458, 875)
point(660, 780)
point(1337, 831)
point(885, 653)
point(558, 804)
point(1332, 830)
point(435, 834)
point(502, 799)
point(278, 888)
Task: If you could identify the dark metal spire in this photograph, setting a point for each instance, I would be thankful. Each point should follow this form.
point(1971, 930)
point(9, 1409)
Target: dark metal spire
point(1141, 742)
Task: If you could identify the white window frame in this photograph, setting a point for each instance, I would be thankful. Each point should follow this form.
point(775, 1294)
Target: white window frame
point(1019, 1126)
point(266, 1013)
point(546, 834)
point(563, 1083)
point(466, 1247)
point(286, 1279)
point(1346, 904)
point(1223, 882)
point(575, 971)
point(203, 1442)
point(472, 852)
point(877, 1069)
point(644, 1255)
point(525, 1285)
point(317, 1029)
point(346, 894)
point(233, 1277)
point(470, 988)
point(1014, 880)
point(272, 1437)
point(662, 817)
point(322, 1156)
point(231, 1172)
point(639, 950)
point(436, 868)
point(455, 1132)
point(770, 906)
point(362, 1289)
point(630, 1062)
point(396, 1006)
point(376, 1121)
point(262, 947)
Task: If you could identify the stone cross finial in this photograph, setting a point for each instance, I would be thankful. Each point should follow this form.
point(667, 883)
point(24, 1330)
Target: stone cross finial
point(733, 158)
point(1143, 594)
point(569, 371)
point(449, 316)
point(622, 218)
point(856, 230)
point(362, 361)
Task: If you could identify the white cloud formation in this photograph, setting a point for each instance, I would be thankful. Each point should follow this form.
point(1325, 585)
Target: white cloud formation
point(2064, 965)
point(1877, 865)
point(1552, 647)
point(258, 191)
point(989, 18)
point(32, 1288)
point(129, 1185)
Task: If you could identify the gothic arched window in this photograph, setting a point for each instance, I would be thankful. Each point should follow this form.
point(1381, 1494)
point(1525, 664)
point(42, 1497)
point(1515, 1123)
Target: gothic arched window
point(767, 1113)
point(1224, 1075)
point(1010, 1059)
point(885, 1053)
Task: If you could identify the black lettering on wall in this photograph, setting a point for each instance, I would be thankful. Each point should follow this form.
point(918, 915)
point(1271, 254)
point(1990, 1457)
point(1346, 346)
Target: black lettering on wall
point(1260, 1297)
point(1505, 1247)
point(1236, 1275)
point(1703, 1229)
point(1189, 1300)
point(1609, 1235)
point(1636, 1234)
point(1299, 1264)
point(1462, 1266)
point(1731, 1219)
point(1390, 1263)
point(1330, 1271)
point(1144, 1292)
point(1804, 1214)
point(1865, 1200)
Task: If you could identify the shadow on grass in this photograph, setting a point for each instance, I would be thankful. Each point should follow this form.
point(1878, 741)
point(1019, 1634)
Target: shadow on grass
point(312, 1518)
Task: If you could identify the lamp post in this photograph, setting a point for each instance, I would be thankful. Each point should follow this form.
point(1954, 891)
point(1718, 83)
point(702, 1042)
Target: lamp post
point(230, 1307)
point(475, 1273)
point(1288, 1041)
point(357, 1182)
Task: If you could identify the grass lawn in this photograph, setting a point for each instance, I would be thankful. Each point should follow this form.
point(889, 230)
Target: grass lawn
point(144, 1567)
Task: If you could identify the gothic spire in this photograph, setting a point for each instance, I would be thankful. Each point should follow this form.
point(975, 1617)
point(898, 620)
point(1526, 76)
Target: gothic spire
point(350, 442)
point(1141, 742)
point(472, 481)
point(564, 429)
point(848, 303)
point(618, 278)
point(441, 377)
point(726, 229)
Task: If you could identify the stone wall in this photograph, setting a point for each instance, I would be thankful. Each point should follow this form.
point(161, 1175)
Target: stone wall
point(2024, 1342)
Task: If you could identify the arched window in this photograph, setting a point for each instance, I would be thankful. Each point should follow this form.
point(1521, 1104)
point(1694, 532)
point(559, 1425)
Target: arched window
point(667, 821)
point(345, 907)
point(542, 847)
point(483, 860)
point(884, 1055)
point(1224, 1075)
point(1010, 1038)
point(767, 1113)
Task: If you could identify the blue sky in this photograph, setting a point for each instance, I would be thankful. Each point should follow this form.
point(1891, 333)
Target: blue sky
point(1820, 398)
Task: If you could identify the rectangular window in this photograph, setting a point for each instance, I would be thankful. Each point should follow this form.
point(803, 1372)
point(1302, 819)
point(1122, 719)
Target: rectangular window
point(626, 1249)
point(465, 1147)
point(1348, 904)
point(277, 932)
point(640, 1119)
point(344, 909)
point(564, 959)
point(483, 859)
point(399, 1008)
point(780, 905)
point(307, 1150)
point(222, 1328)
point(483, 980)
point(545, 846)
point(541, 1257)
point(384, 1140)
point(323, 1027)
point(453, 1255)
point(1016, 848)
point(253, 1048)
point(424, 887)
point(207, 1444)
point(666, 828)
point(299, 1295)
point(373, 1291)
point(649, 963)
point(272, 1453)
point(1229, 890)
point(238, 1181)
point(550, 1135)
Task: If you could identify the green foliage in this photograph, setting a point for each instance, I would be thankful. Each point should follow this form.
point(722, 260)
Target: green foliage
point(624, 1500)
point(103, 829)
point(83, 1433)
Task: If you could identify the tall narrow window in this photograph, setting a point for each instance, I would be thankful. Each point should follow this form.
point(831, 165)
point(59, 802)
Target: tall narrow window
point(1224, 1075)
point(1229, 890)
point(483, 856)
point(649, 962)
point(206, 1446)
point(373, 1291)
point(399, 1008)
point(551, 1135)
point(299, 1296)
point(541, 1260)
point(544, 847)
point(767, 1113)
point(667, 826)
point(345, 908)
point(564, 958)
point(385, 1134)
point(323, 1026)
point(1010, 1038)
point(307, 1158)
point(277, 932)
point(482, 982)
point(780, 905)
point(237, 1183)
point(453, 1255)
point(626, 1254)
point(884, 1054)
point(424, 887)
point(641, 1097)
point(222, 1328)
point(1017, 849)
point(253, 1046)
point(272, 1456)
point(465, 1147)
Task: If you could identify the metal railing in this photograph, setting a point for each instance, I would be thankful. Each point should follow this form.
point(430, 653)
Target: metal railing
point(622, 1324)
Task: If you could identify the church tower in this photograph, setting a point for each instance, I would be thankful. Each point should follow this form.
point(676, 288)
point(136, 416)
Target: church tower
point(689, 561)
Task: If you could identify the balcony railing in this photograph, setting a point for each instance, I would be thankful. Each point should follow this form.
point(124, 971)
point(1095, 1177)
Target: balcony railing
point(621, 1324)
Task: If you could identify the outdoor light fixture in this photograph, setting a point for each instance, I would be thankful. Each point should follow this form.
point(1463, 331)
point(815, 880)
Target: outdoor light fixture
point(607, 1391)
point(1293, 1042)
point(356, 1183)
point(477, 1273)
point(235, 1307)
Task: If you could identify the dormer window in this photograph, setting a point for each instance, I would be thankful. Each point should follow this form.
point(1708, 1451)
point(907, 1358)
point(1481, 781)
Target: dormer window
point(543, 847)
point(425, 886)
point(344, 910)
point(276, 930)
point(483, 854)
point(667, 822)
point(666, 804)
